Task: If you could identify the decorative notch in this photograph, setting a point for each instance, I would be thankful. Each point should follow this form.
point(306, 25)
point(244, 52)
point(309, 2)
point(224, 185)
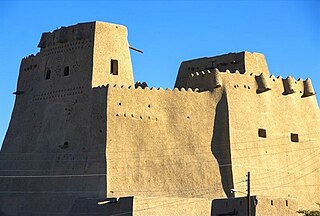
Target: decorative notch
point(308, 88)
point(217, 79)
point(263, 83)
point(289, 85)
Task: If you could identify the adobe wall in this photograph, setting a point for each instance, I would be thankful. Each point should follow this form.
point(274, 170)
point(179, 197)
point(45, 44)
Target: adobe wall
point(55, 143)
point(160, 142)
point(281, 107)
point(292, 167)
point(110, 42)
point(243, 61)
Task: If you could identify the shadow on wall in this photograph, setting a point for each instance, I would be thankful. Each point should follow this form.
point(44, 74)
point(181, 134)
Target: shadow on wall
point(233, 206)
point(220, 144)
point(102, 207)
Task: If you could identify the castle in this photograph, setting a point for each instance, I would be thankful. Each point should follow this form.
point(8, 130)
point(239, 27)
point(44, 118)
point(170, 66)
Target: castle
point(85, 139)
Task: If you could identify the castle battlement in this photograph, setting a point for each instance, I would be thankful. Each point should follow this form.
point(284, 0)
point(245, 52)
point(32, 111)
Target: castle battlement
point(82, 130)
point(213, 78)
point(70, 34)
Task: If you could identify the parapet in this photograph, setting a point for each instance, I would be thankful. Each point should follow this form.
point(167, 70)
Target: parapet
point(243, 62)
point(210, 79)
point(67, 34)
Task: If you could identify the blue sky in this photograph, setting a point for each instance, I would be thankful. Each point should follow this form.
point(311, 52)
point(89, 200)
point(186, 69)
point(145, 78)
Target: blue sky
point(168, 32)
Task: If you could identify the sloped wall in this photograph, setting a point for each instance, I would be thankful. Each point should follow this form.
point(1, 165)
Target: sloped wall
point(159, 143)
point(274, 134)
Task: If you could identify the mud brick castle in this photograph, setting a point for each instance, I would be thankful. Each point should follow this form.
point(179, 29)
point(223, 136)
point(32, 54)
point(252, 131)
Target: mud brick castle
point(85, 139)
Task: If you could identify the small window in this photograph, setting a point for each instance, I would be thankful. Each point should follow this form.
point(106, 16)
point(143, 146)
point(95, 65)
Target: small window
point(114, 67)
point(262, 133)
point(48, 74)
point(294, 137)
point(271, 202)
point(66, 71)
point(287, 203)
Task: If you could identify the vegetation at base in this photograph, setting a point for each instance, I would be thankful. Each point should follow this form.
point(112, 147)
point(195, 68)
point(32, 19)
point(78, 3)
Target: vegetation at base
point(310, 213)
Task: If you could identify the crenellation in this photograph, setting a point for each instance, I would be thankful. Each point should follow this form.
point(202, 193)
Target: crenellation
point(308, 88)
point(263, 83)
point(83, 128)
point(289, 85)
point(66, 34)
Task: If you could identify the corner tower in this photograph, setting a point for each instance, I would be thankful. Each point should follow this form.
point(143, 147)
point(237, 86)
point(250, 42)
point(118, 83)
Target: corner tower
point(102, 47)
point(111, 56)
point(56, 140)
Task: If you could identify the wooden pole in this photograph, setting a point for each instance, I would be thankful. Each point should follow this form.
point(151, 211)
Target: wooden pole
point(248, 194)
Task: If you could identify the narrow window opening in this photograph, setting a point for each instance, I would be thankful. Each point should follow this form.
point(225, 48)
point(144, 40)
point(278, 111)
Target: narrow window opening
point(66, 71)
point(64, 146)
point(294, 137)
point(287, 203)
point(272, 202)
point(114, 67)
point(262, 133)
point(48, 73)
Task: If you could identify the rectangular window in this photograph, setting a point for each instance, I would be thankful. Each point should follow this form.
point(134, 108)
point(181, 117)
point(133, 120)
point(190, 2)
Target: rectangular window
point(294, 137)
point(262, 133)
point(48, 74)
point(114, 67)
point(66, 71)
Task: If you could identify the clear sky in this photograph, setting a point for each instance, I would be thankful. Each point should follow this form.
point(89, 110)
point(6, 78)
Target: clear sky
point(168, 32)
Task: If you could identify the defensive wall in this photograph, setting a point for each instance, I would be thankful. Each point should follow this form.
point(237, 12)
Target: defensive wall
point(82, 134)
point(274, 131)
point(158, 140)
point(255, 123)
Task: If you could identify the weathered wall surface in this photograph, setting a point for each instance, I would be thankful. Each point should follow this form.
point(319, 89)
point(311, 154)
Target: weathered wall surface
point(143, 206)
point(110, 42)
point(159, 143)
point(260, 206)
point(281, 108)
point(54, 147)
point(72, 139)
point(244, 61)
point(292, 167)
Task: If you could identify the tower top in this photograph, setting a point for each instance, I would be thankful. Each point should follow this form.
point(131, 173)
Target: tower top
point(243, 61)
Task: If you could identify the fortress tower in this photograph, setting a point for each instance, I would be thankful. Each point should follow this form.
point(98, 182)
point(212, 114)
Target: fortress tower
point(84, 139)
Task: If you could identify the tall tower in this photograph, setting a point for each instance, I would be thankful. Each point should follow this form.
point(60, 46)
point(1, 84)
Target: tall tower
point(57, 133)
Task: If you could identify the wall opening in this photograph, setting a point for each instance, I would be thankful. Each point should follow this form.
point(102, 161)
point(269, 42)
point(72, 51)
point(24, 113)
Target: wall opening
point(271, 202)
point(65, 145)
point(66, 71)
point(287, 203)
point(114, 67)
point(294, 137)
point(48, 74)
point(262, 133)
